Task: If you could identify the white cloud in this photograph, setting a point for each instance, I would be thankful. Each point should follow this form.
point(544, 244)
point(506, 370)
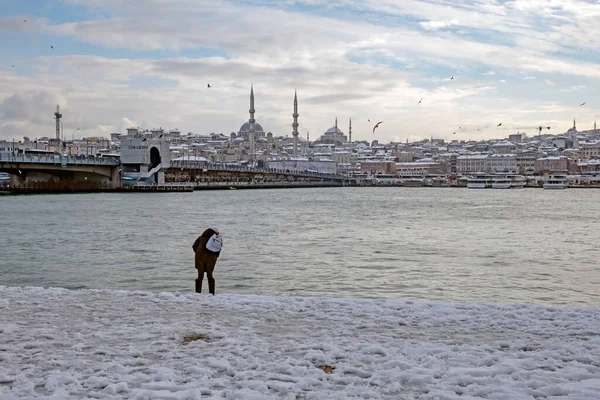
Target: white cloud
point(529, 78)
point(548, 82)
point(342, 65)
point(574, 89)
point(436, 25)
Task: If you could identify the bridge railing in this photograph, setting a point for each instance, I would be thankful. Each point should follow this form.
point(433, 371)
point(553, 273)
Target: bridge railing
point(244, 168)
point(56, 159)
point(260, 184)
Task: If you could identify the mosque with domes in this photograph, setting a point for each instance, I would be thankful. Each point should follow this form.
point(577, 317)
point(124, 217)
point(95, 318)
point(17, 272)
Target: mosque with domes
point(334, 135)
point(251, 125)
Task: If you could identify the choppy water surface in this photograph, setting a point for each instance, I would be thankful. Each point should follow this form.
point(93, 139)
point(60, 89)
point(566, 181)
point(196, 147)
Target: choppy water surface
point(526, 246)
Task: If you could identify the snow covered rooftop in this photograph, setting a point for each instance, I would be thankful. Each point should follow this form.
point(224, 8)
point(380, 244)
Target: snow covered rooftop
point(59, 344)
point(190, 158)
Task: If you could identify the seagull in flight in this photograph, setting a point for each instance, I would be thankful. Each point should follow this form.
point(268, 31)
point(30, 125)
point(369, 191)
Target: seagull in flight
point(583, 104)
point(368, 120)
point(209, 86)
point(420, 100)
point(452, 78)
point(376, 125)
point(51, 46)
point(499, 124)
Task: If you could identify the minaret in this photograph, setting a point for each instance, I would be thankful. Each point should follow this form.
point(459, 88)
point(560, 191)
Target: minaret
point(350, 131)
point(336, 128)
point(252, 120)
point(594, 125)
point(295, 124)
point(574, 124)
point(252, 146)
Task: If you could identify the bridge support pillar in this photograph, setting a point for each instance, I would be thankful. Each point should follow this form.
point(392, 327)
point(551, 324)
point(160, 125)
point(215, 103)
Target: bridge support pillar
point(115, 177)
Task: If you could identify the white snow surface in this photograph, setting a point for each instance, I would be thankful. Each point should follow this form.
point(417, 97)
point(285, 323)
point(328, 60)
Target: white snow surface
point(105, 344)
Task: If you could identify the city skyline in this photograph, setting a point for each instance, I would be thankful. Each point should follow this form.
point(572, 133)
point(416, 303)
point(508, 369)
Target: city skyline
point(475, 64)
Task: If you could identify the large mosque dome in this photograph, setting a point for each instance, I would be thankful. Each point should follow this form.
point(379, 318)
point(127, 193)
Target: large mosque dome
point(248, 126)
point(334, 130)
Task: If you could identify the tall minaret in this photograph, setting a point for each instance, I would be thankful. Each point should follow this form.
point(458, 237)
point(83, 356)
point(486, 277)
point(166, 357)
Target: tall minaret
point(336, 125)
point(594, 125)
point(295, 124)
point(252, 145)
point(350, 131)
point(252, 120)
point(574, 127)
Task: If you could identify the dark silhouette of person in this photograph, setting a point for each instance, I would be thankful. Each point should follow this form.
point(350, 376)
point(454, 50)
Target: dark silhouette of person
point(207, 249)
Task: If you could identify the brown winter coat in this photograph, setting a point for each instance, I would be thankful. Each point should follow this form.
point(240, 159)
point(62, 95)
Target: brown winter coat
point(205, 260)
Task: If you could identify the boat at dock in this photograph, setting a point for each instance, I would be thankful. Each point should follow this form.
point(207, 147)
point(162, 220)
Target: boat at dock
point(556, 182)
point(496, 181)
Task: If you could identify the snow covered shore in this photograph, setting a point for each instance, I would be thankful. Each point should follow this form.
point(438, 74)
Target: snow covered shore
point(60, 344)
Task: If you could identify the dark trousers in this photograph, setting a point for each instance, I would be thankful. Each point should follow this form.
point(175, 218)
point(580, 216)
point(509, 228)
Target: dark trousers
point(208, 269)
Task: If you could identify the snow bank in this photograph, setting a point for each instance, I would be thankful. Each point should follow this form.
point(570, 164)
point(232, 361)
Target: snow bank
point(102, 344)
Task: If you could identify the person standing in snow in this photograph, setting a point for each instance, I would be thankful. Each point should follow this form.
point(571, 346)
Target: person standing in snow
point(207, 249)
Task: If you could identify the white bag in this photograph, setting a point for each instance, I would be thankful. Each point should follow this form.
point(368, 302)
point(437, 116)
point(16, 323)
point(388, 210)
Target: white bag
point(214, 243)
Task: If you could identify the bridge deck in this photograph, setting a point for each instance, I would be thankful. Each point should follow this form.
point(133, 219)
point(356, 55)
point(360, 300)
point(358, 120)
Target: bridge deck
point(56, 159)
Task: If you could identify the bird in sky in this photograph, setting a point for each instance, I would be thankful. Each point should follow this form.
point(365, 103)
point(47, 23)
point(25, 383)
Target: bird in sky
point(454, 133)
point(420, 100)
point(24, 20)
point(583, 104)
point(51, 46)
point(368, 120)
point(209, 86)
point(452, 78)
point(499, 124)
point(377, 125)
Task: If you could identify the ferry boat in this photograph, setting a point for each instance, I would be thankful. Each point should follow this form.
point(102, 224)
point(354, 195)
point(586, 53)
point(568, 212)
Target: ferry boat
point(506, 181)
point(480, 182)
point(555, 182)
point(509, 181)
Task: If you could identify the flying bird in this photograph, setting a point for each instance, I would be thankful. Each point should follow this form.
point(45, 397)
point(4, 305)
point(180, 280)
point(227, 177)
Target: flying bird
point(51, 46)
point(420, 100)
point(452, 78)
point(24, 20)
point(368, 120)
point(13, 65)
point(454, 133)
point(209, 86)
point(583, 104)
point(499, 124)
point(376, 125)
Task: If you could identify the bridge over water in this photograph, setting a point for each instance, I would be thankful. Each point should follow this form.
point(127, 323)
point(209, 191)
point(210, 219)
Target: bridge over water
point(107, 172)
point(27, 168)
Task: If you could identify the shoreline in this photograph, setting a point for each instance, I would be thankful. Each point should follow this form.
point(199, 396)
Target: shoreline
point(63, 343)
point(192, 188)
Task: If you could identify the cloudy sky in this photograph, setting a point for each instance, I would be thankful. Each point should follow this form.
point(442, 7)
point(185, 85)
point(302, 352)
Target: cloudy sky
point(147, 63)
